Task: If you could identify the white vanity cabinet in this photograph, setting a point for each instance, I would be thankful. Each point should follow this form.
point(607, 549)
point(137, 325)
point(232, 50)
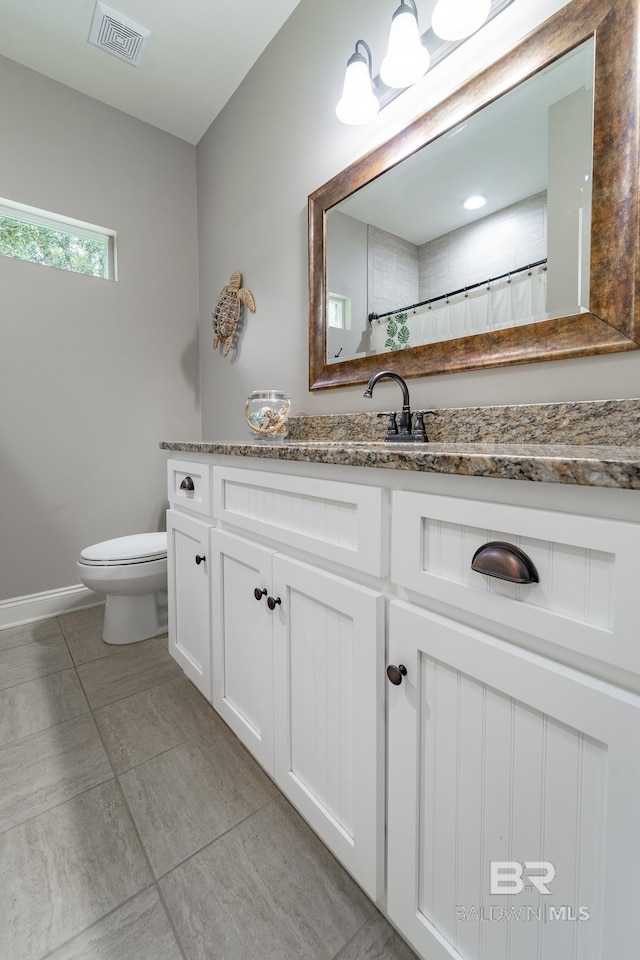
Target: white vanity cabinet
point(498, 755)
point(296, 648)
point(296, 674)
point(508, 748)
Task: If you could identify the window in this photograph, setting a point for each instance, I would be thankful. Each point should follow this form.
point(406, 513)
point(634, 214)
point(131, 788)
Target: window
point(338, 311)
point(56, 241)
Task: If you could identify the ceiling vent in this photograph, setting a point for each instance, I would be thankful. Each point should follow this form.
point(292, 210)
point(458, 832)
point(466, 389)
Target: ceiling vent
point(117, 34)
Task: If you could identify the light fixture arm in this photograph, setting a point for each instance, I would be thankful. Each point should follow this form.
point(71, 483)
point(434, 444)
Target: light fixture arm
point(407, 3)
point(358, 56)
point(404, 4)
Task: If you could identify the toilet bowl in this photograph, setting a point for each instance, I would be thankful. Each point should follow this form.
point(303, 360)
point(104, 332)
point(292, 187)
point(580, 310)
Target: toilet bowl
point(132, 572)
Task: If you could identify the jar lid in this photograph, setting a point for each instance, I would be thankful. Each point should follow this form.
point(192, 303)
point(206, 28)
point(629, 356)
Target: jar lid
point(268, 395)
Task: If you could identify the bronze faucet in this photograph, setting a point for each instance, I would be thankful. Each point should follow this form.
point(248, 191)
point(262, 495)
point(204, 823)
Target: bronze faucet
point(404, 432)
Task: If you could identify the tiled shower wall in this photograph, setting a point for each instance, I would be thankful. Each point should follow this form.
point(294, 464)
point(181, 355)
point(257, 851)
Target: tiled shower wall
point(401, 273)
point(393, 271)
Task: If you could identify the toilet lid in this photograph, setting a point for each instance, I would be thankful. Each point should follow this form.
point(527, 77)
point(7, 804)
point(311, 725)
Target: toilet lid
point(134, 549)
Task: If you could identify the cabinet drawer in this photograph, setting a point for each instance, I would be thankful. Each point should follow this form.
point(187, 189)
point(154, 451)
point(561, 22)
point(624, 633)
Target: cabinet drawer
point(584, 599)
point(344, 523)
point(195, 495)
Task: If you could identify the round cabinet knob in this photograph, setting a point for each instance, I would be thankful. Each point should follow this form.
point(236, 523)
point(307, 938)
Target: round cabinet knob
point(199, 559)
point(272, 602)
point(187, 484)
point(395, 674)
point(259, 594)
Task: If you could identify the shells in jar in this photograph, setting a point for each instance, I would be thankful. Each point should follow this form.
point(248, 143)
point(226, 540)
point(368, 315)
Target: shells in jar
point(267, 413)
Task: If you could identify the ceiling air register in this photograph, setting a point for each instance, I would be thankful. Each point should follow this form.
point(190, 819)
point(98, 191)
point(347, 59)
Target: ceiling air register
point(118, 35)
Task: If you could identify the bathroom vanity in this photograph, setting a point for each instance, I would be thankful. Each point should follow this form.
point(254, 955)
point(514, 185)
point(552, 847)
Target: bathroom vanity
point(464, 744)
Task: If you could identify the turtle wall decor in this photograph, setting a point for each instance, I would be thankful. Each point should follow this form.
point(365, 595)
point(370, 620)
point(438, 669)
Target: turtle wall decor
point(226, 315)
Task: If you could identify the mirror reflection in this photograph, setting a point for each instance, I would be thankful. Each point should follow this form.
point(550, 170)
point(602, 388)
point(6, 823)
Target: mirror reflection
point(409, 264)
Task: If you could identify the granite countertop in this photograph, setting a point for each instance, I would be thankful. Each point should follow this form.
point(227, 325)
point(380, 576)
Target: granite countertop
point(596, 466)
point(591, 443)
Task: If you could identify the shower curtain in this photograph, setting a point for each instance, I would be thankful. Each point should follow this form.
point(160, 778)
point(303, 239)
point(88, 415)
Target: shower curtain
point(504, 303)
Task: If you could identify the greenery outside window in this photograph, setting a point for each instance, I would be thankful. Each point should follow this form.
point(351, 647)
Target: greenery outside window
point(56, 241)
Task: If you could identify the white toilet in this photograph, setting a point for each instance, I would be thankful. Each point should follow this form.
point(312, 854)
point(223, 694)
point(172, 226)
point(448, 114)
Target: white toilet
point(132, 572)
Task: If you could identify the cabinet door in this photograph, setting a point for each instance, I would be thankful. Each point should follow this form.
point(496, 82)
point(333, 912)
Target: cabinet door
point(242, 642)
point(498, 756)
point(329, 711)
point(189, 604)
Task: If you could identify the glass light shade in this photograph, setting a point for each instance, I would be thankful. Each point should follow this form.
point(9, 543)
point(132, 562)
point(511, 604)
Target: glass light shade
point(457, 19)
point(358, 103)
point(406, 60)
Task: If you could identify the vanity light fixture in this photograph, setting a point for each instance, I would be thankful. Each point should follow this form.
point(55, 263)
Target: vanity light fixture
point(458, 19)
point(406, 60)
point(358, 103)
point(409, 54)
point(474, 202)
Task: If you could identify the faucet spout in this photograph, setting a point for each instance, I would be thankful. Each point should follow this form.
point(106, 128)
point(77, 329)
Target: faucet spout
point(404, 428)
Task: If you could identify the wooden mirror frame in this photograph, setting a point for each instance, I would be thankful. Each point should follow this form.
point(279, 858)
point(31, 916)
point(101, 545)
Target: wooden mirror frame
point(613, 324)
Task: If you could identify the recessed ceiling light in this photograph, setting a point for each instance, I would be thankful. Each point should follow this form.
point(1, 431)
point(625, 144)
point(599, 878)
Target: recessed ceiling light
point(474, 202)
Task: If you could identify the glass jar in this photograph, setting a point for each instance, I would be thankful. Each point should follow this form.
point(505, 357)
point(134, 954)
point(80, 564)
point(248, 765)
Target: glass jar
point(267, 415)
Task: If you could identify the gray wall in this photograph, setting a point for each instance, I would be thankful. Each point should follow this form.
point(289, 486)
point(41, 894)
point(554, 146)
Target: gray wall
point(93, 374)
point(275, 142)
point(569, 202)
point(347, 276)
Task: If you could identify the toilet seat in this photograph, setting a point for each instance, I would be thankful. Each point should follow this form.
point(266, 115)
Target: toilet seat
point(139, 548)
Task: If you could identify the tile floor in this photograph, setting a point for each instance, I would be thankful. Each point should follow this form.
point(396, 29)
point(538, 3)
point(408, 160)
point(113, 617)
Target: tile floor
point(135, 826)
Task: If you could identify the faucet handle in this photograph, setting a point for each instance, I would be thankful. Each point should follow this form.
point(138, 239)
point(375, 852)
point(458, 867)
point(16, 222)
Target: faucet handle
point(419, 431)
point(392, 426)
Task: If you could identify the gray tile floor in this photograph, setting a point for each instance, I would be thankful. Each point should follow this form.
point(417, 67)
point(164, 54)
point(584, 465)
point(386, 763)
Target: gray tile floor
point(135, 826)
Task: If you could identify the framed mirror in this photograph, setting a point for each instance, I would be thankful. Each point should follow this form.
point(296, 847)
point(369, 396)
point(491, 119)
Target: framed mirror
point(546, 271)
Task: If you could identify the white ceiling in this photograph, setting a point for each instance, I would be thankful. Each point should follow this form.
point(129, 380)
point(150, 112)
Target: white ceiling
point(199, 51)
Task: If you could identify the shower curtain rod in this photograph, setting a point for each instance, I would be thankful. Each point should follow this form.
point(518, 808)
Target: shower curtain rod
point(444, 296)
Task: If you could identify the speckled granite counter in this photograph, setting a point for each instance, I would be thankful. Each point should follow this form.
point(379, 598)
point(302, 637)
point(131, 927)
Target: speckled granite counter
point(550, 443)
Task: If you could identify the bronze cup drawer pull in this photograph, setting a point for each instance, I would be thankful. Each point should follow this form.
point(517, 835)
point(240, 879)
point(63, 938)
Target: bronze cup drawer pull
point(504, 561)
point(187, 484)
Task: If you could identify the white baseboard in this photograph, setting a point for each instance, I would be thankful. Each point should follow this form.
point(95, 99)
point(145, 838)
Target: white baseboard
point(51, 603)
